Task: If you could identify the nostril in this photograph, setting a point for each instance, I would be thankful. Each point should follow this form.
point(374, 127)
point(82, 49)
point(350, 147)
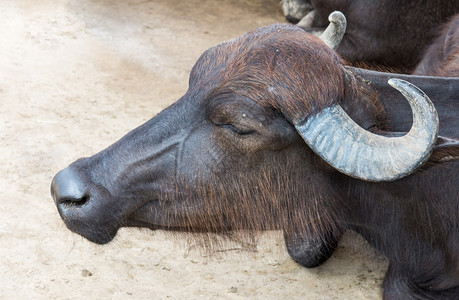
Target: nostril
point(68, 189)
point(70, 202)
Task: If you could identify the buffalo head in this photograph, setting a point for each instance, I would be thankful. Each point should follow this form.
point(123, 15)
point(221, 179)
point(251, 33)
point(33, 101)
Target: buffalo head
point(257, 142)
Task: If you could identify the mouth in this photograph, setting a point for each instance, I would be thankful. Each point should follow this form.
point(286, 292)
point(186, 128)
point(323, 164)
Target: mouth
point(144, 217)
point(142, 224)
point(97, 234)
point(164, 215)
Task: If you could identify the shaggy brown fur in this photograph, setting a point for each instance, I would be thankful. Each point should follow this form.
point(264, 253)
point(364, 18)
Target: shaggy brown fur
point(263, 66)
point(269, 68)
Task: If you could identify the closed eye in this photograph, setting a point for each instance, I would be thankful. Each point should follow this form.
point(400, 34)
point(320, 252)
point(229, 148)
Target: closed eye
point(237, 130)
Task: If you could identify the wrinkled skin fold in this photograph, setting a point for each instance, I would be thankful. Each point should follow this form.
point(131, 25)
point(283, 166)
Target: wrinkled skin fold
point(226, 157)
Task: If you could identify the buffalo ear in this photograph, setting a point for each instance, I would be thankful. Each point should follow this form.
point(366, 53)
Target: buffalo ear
point(446, 149)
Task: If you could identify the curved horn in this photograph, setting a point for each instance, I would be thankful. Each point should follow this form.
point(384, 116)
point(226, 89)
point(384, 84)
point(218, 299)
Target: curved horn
point(335, 137)
point(334, 33)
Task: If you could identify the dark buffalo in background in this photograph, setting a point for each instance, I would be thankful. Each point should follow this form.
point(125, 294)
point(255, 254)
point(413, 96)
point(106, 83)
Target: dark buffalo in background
point(390, 33)
point(442, 57)
point(231, 155)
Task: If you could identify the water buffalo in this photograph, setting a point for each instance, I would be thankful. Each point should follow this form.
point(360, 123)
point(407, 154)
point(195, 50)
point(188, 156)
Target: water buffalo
point(442, 57)
point(383, 32)
point(275, 132)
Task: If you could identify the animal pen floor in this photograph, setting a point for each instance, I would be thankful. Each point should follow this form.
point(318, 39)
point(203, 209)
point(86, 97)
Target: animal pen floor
point(75, 75)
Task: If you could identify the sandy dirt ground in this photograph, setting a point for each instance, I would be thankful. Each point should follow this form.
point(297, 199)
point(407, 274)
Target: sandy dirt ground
point(75, 76)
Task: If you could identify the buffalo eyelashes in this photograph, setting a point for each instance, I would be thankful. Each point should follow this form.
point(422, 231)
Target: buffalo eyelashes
point(237, 130)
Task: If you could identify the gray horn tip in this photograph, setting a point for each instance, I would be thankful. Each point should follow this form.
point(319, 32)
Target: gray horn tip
point(394, 82)
point(337, 17)
point(334, 33)
point(402, 85)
